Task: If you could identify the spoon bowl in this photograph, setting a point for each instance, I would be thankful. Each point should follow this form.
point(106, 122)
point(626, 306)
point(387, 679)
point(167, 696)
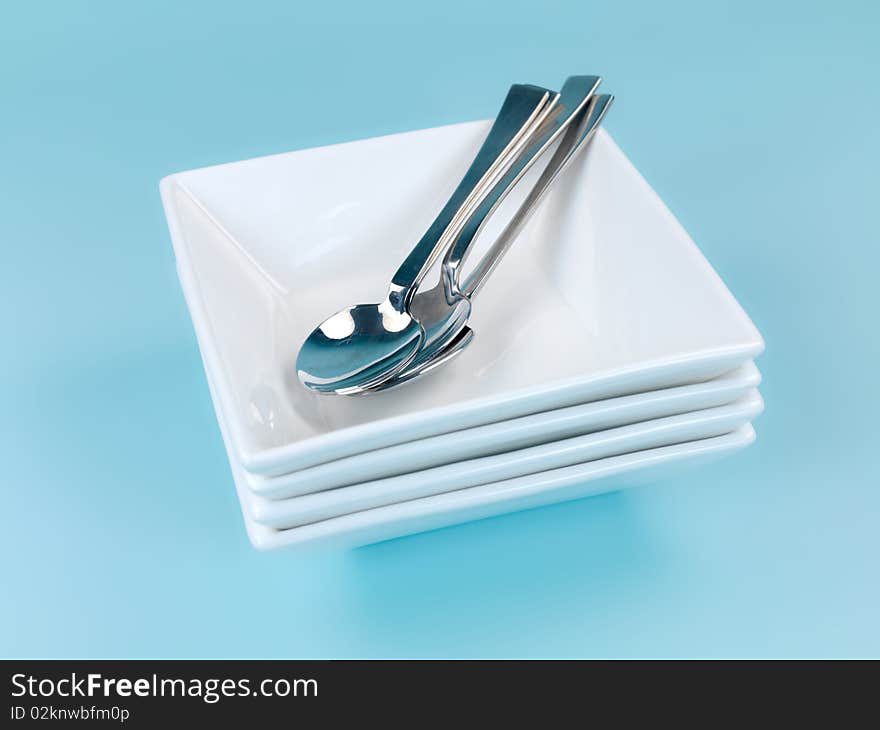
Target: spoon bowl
point(442, 314)
point(358, 347)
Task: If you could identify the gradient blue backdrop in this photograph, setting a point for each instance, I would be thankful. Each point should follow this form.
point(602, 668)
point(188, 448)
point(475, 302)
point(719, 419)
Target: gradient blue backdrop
point(121, 533)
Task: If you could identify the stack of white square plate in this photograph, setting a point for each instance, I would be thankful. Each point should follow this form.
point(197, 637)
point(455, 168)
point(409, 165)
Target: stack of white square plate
point(632, 357)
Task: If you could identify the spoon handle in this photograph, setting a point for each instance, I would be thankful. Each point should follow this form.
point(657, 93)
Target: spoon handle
point(573, 98)
point(522, 106)
point(576, 138)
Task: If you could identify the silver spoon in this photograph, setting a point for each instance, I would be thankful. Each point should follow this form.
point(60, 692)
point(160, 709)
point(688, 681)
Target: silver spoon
point(366, 344)
point(444, 310)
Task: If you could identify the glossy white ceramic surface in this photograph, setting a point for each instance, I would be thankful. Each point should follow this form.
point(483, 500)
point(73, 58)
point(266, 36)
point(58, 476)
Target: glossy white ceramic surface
point(287, 513)
point(509, 435)
point(489, 500)
point(463, 505)
point(621, 299)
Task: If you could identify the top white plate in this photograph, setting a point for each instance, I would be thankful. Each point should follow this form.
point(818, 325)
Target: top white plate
point(620, 299)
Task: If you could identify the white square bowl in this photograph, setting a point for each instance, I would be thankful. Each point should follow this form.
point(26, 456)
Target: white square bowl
point(266, 248)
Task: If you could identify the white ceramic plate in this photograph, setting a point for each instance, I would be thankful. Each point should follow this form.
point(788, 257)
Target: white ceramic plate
point(287, 513)
point(620, 299)
point(506, 436)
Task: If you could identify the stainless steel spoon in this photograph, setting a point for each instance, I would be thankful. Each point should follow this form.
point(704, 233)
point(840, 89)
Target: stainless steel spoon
point(364, 345)
point(444, 310)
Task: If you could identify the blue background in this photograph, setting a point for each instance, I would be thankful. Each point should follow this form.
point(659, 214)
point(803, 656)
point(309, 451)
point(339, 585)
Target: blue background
point(757, 123)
